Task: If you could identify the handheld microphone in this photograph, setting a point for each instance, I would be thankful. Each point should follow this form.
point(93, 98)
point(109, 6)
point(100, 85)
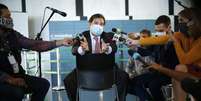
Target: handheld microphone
point(117, 30)
point(120, 36)
point(131, 52)
point(137, 56)
point(57, 11)
point(78, 36)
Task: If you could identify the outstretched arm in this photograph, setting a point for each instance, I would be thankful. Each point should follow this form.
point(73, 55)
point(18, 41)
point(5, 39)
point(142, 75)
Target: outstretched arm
point(172, 73)
point(39, 45)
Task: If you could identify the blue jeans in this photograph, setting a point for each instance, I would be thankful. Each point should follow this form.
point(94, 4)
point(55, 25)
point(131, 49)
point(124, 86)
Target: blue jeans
point(38, 87)
point(151, 80)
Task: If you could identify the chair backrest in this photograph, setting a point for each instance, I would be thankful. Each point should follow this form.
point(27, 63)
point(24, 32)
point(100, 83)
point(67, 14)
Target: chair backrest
point(95, 62)
point(95, 71)
point(95, 80)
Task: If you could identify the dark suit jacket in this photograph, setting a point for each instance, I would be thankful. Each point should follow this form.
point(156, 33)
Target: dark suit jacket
point(95, 61)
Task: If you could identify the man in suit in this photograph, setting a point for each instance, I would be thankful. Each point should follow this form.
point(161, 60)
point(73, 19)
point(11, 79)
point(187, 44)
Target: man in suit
point(96, 41)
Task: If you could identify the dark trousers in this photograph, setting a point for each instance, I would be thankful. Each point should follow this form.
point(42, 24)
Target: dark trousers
point(70, 83)
point(151, 80)
point(38, 87)
point(192, 86)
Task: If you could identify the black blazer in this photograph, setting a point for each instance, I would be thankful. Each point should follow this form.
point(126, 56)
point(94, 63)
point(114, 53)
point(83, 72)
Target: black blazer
point(95, 61)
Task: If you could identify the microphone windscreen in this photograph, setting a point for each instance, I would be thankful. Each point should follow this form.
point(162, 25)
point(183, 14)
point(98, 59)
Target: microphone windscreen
point(114, 29)
point(130, 52)
point(136, 55)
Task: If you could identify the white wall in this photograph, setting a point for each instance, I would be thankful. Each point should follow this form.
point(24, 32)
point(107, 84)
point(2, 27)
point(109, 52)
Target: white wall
point(111, 9)
point(35, 9)
point(14, 5)
point(20, 21)
point(148, 9)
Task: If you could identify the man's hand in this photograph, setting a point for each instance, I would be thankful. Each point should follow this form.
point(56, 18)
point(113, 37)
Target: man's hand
point(105, 46)
point(16, 82)
point(132, 44)
point(84, 44)
point(155, 66)
point(64, 42)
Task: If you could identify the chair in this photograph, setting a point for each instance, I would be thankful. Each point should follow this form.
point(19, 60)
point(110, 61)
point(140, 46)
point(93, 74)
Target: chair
point(168, 92)
point(95, 72)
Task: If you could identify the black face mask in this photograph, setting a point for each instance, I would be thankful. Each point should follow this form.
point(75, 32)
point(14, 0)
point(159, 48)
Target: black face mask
point(183, 28)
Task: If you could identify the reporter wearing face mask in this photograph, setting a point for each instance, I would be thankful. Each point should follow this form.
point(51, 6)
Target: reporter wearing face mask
point(187, 44)
point(163, 54)
point(96, 41)
point(14, 83)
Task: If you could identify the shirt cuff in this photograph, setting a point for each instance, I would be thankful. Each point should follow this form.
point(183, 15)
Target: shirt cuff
point(80, 50)
point(109, 50)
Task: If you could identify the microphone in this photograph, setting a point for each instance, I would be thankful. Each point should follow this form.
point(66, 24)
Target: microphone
point(131, 52)
point(120, 36)
point(117, 30)
point(78, 37)
point(137, 56)
point(57, 11)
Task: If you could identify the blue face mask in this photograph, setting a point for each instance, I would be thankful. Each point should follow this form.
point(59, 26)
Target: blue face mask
point(8, 23)
point(96, 30)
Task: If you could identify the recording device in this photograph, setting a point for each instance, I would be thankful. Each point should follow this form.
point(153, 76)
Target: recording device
point(57, 11)
point(120, 36)
point(137, 56)
point(131, 52)
point(117, 30)
point(78, 37)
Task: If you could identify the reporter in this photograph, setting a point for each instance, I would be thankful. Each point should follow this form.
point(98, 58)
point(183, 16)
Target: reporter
point(14, 83)
point(187, 43)
point(163, 54)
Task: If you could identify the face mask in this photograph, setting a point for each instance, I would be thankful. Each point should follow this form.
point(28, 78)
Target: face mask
point(96, 30)
point(5, 22)
point(183, 28)
point(159, 33)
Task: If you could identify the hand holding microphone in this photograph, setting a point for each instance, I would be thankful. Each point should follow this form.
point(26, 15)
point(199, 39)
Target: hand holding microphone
point(138, 57)
point(105, 46)
point(120, 36)
point(150, 67)
point(84, 44)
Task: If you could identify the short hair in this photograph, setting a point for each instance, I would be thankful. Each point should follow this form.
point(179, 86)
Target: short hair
point(163, 19)
point(96, 16)
point(146, 31)
point(2, 6)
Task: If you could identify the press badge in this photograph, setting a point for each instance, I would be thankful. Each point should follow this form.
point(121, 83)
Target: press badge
point(14, 63)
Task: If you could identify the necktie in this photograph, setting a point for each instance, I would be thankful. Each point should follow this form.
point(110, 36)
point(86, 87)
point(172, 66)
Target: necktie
point(97, 45)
